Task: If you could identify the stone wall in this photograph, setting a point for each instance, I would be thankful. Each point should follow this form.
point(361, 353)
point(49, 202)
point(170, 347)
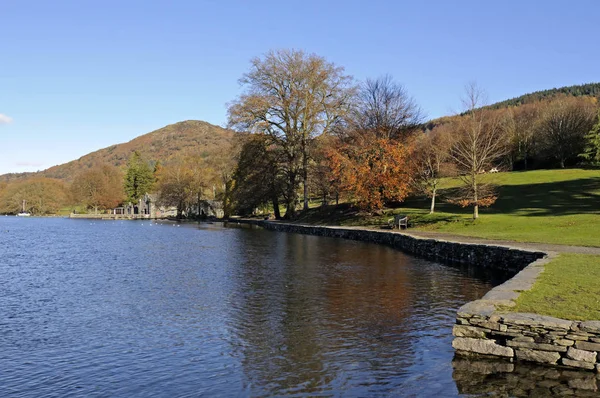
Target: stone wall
point(111, 216)
point(483, 256)
point(486, 327)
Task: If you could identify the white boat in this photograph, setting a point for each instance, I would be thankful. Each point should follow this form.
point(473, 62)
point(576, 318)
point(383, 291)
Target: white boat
point(23, 213)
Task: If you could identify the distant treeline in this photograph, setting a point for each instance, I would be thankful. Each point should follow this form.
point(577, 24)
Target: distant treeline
point(590, 89)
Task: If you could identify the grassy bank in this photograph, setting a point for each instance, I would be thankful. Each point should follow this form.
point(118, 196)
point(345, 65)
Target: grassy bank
point(568, 289)
point(546, 206)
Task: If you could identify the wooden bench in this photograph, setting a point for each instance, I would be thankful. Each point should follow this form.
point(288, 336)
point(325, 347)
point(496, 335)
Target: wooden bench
point(399, 221)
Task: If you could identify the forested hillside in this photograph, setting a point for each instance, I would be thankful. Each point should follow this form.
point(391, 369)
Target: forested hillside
point(590, 89)
point(170, 142)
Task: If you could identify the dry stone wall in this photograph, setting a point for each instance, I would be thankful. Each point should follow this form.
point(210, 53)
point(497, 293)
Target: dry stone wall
point(494, 257)
point(485, 327)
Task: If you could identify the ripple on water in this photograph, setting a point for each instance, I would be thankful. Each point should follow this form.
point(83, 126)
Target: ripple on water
point(144, 309)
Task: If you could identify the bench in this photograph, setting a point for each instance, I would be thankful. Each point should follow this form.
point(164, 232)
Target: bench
point(399, 221)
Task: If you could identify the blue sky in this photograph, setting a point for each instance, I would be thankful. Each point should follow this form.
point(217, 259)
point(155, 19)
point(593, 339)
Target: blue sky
point(77, 76)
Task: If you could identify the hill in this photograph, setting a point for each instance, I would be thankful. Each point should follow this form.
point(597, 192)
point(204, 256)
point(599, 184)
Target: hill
point(583, 90)
point(179, 139)
point(590, 89)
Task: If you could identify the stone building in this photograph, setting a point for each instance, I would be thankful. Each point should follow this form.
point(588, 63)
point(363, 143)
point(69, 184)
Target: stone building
point(207, 208)
point(145, 207)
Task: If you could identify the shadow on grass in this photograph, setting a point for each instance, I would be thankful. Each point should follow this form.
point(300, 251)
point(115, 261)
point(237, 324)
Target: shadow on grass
point(580, 196)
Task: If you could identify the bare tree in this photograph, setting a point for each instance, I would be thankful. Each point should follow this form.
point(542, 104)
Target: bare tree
point(478, 143)
point(563, 128)
point(292, 97)
point(430, 162)
point(384, 108)
point(519, 125)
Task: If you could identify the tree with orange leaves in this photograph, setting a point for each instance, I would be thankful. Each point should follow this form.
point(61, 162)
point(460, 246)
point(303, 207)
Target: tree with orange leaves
point(373, 170)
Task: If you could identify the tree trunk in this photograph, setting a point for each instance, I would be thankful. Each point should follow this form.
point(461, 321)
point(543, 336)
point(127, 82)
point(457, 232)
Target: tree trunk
point(290, 206)
point(305, 168)
point(475, 199)
point(276, 211)
point(226, 202)
point(305, 178)
point(290, 211)
point(198, 204)
point(431, 211)
point(179, 210)
point(305, 208)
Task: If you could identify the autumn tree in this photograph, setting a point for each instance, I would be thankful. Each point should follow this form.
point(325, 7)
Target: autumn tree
point(323, 181)
point(292, 97)
point(563, 127)
point(429, 162)
point(139, 178)
point(42, 195)
point(478, 144)
point(202, 175)
point(222, 163)
point(372, 170)
point(176, 186)
point(370, 161)
point(591, 151)
point(99, 187)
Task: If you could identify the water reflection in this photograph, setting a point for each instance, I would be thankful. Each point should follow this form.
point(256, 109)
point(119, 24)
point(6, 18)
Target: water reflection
point(137, 309)
point(319, 316)
point(481, 377)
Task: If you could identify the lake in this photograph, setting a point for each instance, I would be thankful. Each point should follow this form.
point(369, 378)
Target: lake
point(139, 309)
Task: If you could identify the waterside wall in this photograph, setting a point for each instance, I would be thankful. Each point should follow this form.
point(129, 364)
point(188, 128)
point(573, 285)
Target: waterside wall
point(486, 327)
point(486, 256)
point(112, 216)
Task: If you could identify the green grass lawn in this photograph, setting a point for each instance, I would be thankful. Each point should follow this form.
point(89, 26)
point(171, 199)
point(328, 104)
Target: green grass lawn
point(568, 289)
point(546, 206)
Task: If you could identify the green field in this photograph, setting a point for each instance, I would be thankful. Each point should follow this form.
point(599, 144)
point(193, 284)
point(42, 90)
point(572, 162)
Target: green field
point(568, 289)
point(546, 206)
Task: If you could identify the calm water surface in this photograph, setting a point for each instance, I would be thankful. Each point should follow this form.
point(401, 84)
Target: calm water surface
point(139, 309)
